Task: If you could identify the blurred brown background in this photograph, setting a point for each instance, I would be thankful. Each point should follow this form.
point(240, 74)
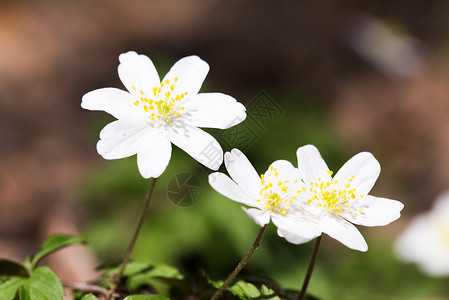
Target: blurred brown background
point(378, 69)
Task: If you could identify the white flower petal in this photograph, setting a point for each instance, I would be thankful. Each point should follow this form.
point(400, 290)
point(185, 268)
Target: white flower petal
point(414, 243)
point(121, 139)
point(344, 232)
point(198, 144)
point(116, 102)
point(441, 204)
point(260, 217)
point(311, 165)
point(425, 240)
point(137, 71)
point(243, 172)
point(375, 211)
point(213, 110)
point(295, 230)
point(365, 169)
point(286, 171)
point(191, 72)
point(154, 155)
point(228, 188)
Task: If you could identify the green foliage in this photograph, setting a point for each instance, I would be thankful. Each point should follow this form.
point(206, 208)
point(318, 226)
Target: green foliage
point(30, 283)
point(139, 277)
point(43, 284)
point(54, 243)
point(10, 286)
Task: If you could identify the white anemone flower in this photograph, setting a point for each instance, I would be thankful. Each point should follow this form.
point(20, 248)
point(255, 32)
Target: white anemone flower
point(333, 203)
point(152, 114)
point(426, 239)
point(272, 195)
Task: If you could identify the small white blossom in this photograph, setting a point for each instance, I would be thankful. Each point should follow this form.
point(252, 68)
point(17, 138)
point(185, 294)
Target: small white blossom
point(153, 114)
point(333, 203)
point(426, 239)
point(272, 195)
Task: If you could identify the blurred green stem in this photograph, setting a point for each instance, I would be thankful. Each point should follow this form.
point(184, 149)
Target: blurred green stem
point(241, 264)
point(310, 269)
point(117, 278)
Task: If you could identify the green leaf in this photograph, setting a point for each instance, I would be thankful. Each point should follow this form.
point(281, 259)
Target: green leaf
point(89, 297)
point(12, 268)
point(244, 290)
point(24, 291)
point(268, 293)
point(9, 287)
point(147, 297)
point(56, 242)
point(45, 285)
point(136, 267)
point(159, 272)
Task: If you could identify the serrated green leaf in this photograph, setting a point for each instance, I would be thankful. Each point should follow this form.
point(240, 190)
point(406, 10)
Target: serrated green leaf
point(56, 242)
point(146, 297)
point(12, 268)
point(9, 287)
point(45, 285)
point(89, 297)
point(244, 290)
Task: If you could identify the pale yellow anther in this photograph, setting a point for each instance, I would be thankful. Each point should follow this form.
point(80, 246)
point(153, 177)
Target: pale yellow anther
point(134, 88)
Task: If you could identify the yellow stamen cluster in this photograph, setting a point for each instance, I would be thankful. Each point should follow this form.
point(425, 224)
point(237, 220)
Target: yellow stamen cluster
point(275, 194)
point(161, 104)
point(326, 195)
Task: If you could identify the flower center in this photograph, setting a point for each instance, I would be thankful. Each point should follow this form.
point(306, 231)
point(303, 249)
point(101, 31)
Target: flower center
point(162, 104)
point(335, 200)
point(274, 193)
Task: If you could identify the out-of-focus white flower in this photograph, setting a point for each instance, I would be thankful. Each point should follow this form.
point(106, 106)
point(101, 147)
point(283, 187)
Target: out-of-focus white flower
point(272, 195)
point(426, 239)
point(153, 114)
point(334, 203)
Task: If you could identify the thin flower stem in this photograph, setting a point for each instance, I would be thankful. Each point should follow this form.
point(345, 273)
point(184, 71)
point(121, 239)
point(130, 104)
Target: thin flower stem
point(310, 269)
point(133, 239)
point(240, 265)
